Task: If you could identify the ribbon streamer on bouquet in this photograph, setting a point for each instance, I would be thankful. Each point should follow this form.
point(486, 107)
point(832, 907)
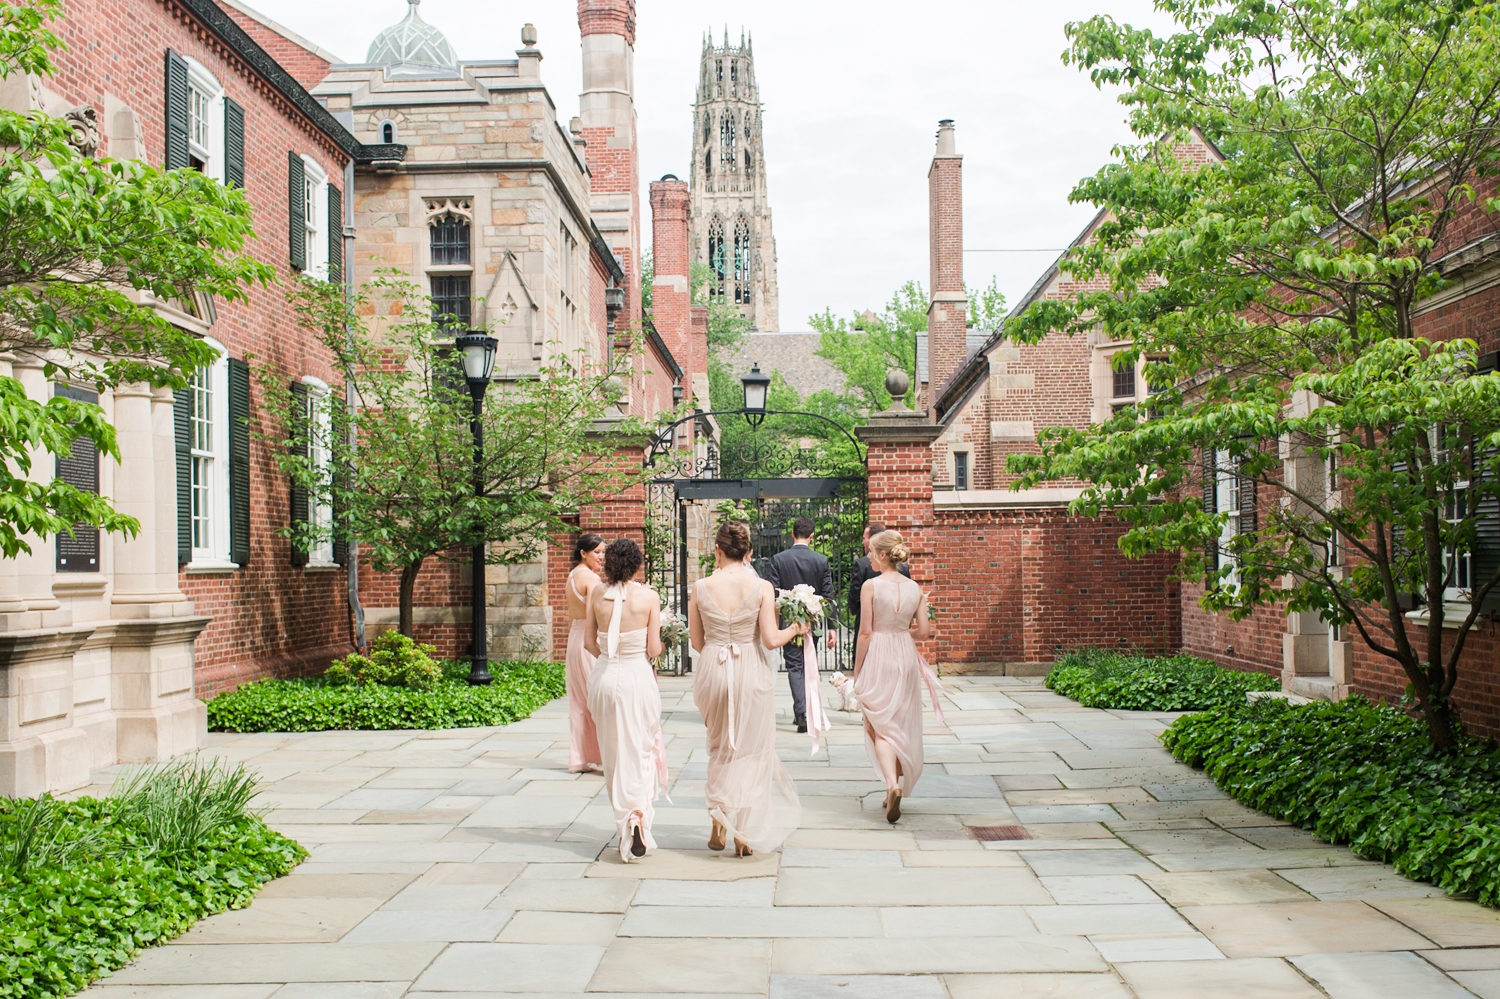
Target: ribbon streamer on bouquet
point(660, 752)
point(728, 656)
point(812, 690)
point(930, 676)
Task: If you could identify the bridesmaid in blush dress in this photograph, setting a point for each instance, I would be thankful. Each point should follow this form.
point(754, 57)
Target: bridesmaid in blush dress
point(583, 741)
point(623, 696)
point(749, 794)
point(888, 669)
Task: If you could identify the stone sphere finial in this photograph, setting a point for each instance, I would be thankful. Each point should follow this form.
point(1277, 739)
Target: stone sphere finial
point(897, 383)
point(528, 35)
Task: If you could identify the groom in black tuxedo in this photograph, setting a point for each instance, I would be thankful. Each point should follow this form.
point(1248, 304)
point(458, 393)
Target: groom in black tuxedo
point(797, 565)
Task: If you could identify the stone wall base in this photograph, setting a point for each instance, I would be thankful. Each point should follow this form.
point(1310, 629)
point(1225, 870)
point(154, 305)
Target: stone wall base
point(993, 669)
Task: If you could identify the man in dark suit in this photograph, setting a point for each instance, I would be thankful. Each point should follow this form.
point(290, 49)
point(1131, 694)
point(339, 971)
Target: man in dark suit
point(797, 565)
point(862, 572)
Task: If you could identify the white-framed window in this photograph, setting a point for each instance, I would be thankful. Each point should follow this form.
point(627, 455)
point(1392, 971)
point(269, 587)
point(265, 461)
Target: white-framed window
point(208, 436)
point(1458, 566)
point(320, 450)
point(315, 216)
point(1227, 499)
point(567, 261)
point(962, 469)
point(205, 120)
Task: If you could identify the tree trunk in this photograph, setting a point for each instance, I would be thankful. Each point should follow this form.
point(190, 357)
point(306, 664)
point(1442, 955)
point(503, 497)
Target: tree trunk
point(408, 591)
point(1441, 725)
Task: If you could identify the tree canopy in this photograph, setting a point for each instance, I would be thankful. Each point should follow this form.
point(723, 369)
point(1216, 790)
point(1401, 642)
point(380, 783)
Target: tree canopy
point(1273, 286)
point(88, 247)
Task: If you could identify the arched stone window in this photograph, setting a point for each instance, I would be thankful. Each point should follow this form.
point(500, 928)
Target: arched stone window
point(716, 254)
point(742, 261)
point(388, 131)
point(728, 153)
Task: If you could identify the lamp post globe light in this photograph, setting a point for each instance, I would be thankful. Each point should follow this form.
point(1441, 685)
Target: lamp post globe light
point(756, 386)
point(478, 350)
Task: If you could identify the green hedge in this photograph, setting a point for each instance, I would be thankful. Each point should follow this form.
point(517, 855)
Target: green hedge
point(1362, 774)
point(317, 705)
point(97, 889)
point(1099, 678)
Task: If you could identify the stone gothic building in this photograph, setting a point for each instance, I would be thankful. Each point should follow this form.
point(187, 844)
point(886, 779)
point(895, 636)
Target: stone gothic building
point(731, 204)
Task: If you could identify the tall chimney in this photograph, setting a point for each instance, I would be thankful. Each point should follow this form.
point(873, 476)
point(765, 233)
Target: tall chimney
point(947, 315)
point(607, 110)
point(670, 294)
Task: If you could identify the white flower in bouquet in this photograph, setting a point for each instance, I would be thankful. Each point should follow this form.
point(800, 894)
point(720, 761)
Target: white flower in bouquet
point(674, 630)
point(800, 604)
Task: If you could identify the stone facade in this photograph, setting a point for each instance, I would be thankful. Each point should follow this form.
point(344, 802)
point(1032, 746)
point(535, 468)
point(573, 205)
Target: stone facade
point(731, 230)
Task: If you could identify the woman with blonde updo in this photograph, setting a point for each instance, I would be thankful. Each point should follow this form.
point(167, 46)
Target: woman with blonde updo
point(749, 794)
point(887, 669)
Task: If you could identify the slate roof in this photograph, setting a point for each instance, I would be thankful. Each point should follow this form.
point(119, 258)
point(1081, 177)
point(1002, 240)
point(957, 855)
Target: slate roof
point(792, 354)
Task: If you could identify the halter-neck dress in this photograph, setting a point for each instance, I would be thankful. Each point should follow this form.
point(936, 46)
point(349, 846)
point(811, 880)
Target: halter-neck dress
point(889, 686)
point(626, 705)
point(583, 740)
point(748, 791)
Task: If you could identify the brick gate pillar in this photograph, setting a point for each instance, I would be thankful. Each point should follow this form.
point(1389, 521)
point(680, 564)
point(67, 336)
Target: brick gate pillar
point(899, 458)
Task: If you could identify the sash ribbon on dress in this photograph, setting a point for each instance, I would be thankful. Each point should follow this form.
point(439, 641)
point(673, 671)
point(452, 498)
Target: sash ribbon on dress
point(729, 654)
point(812, 693)
point(929, 676)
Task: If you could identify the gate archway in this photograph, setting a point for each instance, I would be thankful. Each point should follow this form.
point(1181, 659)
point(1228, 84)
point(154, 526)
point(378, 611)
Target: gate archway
point(776, 482)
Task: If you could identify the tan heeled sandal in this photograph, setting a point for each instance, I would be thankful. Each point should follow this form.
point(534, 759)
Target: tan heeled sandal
point(742, 849)
point(716, 838)
point(893, 805)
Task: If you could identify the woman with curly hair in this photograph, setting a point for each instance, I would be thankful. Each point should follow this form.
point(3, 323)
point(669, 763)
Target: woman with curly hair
point(623, 696)
point(888, 669)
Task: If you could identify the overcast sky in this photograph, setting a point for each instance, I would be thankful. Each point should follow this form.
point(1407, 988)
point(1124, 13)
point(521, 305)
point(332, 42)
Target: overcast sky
point(853, 93)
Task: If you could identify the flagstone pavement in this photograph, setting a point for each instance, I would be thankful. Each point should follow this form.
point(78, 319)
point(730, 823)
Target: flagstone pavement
point(468, 864)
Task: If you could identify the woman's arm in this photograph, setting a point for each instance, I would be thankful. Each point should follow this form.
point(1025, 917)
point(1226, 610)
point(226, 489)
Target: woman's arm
point(866, 626)
point(923, 627)
point(771, 636)
point(695, 626)
point(653, 627)
point(591, 627)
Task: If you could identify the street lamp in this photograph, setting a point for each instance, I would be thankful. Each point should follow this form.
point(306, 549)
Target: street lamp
point(478, 349)
point(756, 386)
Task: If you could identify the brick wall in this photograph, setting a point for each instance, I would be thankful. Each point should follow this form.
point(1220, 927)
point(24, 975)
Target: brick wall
point(268, 617)
point(306, 66)
point(607, 17)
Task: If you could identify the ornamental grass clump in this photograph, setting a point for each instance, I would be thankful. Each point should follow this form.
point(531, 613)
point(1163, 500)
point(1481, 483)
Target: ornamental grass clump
point(85, 885)
point(1361, 774)
point(1100, 678)
point(394, 661)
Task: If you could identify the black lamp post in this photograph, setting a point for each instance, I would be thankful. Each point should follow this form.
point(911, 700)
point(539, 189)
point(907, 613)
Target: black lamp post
point(756, 387)
point(478, 349)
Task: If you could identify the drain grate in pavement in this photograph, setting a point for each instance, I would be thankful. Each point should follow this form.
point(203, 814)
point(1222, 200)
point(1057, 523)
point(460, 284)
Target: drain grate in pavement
point(991, 834)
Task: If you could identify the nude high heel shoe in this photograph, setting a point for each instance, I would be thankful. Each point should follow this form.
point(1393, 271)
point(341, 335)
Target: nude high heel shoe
point(893, 805)
point(716, 838)
point(742, 849)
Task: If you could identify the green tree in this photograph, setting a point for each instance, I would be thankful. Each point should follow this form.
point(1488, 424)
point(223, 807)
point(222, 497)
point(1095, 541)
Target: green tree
point(869, 346)
point(397, 468)
point(85, 245)
point(1275, 292)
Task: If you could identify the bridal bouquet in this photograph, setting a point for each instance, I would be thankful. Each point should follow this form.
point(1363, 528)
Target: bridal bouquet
point(674, 630)
point(800, 603)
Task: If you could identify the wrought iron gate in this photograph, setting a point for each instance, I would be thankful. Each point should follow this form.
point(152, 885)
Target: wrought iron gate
point(683, 513)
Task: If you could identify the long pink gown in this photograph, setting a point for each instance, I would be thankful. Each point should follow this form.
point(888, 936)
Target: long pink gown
point(890, 681)
point(626, 705)
point(583, 740)
point(748, 791)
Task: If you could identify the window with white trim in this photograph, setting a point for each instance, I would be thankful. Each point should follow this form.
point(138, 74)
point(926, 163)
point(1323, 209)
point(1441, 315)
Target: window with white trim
point(320, 451)
point(205, 120)
point(1228, 499)
point(208, 391)
point(315, 216)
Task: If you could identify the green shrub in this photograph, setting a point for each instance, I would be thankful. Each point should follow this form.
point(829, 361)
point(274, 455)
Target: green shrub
point(86, 885)
point(394, 661)
point(316, 705)
point(1099, 678)
point(1362, 774)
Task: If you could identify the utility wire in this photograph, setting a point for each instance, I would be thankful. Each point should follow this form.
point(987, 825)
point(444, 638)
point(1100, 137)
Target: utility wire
point(1036, 249)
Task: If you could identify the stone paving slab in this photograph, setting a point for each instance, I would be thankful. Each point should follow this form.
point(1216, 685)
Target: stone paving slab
point(472, 865)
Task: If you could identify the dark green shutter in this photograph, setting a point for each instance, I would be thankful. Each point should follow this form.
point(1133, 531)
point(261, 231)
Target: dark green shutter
point(1210, 504)
point(239, 462)
point(178, 155)
point(297, 214)
point(182, 432)
point(1248, 521)
point(340, 473)
point(234, 144)
point(300, 445)
point(1485, 560)
point(78, 549)
point(335, 234)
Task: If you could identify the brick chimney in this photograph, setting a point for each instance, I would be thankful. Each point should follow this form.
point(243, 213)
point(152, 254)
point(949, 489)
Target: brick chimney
point(607, 110)
point(670, 293)
point(947, 315)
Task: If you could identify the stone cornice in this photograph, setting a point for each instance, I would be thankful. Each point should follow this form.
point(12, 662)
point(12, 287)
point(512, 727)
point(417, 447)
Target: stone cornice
point(899, 426)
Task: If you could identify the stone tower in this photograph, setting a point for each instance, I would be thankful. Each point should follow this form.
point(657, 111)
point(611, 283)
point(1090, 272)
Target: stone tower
point(731, 208)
